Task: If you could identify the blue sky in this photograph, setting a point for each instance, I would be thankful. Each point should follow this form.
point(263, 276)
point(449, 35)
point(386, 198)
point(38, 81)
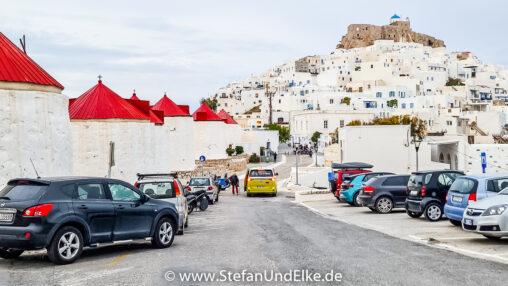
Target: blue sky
point(191, 48)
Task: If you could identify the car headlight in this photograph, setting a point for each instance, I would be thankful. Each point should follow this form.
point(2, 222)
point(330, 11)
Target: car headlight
point(495, 210)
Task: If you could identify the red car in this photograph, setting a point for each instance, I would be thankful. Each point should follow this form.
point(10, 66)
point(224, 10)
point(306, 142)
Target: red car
point(344, 170)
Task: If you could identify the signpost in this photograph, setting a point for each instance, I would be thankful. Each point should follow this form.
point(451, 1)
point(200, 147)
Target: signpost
point(484, 161)
point(202, 159)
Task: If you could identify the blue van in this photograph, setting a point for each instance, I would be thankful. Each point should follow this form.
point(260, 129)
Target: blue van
point(470, 188)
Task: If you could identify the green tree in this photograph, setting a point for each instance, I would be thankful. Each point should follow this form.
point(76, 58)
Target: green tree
point(230, 151)
point(354, 123)
point(211, 102)
point(238, 150)
point(284, 133)
point(392, 103)
point(315, 137)
point(335, 135)
point(453, 81)
point(346, 100)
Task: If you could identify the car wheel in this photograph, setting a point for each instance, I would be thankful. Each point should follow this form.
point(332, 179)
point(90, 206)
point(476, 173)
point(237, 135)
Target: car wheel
point(274, 194)
point(66, 246)
point(413, 214)
point(384, 205)
point(494, 238)
point(433, 211)
point(456, 222)
point(356, 200)
point(351, 204)
point(10, 253)
point(373, 209)
point(164, 233)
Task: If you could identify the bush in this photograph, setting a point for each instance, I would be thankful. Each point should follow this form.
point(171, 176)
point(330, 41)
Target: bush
point(230, 151)
point(261, 151)
point(238, 150)
point(254, 158)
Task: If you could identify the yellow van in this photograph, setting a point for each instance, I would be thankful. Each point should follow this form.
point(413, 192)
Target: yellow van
point(260, 181)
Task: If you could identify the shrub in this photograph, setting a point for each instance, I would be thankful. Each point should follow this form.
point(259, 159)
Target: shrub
point(238, 150)
point(253, 158)
point(230, 151)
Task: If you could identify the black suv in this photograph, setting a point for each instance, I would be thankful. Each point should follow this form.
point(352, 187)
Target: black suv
point(65, 214)
point(427, 193)
point(384, 193)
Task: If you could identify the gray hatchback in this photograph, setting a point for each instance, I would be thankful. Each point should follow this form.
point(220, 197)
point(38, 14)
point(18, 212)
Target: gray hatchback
point(384, 193)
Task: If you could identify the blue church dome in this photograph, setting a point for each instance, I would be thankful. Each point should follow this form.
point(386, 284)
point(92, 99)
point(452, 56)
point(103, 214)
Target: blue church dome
point(395, 16)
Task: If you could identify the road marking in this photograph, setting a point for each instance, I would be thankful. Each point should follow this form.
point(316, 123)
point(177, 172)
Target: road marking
point(456, 238)
point(118, 259)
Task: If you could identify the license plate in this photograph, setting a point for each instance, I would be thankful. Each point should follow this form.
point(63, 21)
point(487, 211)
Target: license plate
point(468, 222)
point(260, 187)
point(413, 193)
point(6, 217)
point(457, 199)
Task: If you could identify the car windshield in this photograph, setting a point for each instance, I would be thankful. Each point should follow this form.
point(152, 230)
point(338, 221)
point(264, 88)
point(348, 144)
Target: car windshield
point(261, 173)
point(158, 190)
point(416, 180)
point(22, 191)
point(463, 185)
point(199, 182)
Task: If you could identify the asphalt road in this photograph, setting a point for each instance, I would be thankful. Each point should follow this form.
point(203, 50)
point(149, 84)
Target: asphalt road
point(257, 234)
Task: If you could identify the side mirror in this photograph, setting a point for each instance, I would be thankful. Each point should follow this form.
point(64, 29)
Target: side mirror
point(276, 174)
point(144, 198)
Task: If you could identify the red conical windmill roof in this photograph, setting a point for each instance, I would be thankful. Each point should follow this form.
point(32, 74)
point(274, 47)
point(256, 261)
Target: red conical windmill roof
point(100, 102)
point(134, 96)
point(226, 118)
point(169, 107)
point(204, 113)
point(16, 66)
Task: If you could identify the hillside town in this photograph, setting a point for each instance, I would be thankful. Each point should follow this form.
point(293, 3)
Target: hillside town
point(393, 72)
point(391, 149)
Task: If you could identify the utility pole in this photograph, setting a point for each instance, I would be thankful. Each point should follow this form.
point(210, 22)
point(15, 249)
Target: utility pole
point(270, 96)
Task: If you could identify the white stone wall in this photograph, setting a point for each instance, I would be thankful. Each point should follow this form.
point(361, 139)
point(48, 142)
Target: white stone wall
point(34, 124)
point(140, 147)
point(210, 139)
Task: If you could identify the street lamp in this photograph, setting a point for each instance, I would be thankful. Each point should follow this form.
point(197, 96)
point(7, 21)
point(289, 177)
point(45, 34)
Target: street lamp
point(417, 142)
point(296, 145)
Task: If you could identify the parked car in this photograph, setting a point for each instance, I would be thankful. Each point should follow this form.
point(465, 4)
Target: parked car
point(468, 189)
point(488, 217)
point(168, 188)
point(384, 193)
point(426, 193)
point(207, 184)
point(350, 192)
point(343, 170)
point(260, 181)
point(65, 214)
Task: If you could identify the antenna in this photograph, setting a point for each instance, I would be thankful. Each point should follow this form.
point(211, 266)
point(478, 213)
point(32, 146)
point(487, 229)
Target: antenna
point(38, 177)
point(23, 43)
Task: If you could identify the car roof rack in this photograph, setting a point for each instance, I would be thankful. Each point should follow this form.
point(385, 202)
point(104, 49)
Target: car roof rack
point(142, 176)
point(351, 166)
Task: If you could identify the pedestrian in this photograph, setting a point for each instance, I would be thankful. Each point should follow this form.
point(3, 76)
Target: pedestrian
point(275, 156)
point(234, 183)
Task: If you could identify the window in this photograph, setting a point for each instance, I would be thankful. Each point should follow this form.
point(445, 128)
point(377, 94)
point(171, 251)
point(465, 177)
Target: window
point(341, 123)
point(123, 193)
point(449, 123)
point(160, 190)
point(325, 124)
point(23, 191)
point(392, 94)
point(396, 181)
point(463, 185)
point(446, 179)
point(91, 192)
point(199, 182)
point(261, 173)
point(411, 105)
point(497, 185)
point(379, 94)
point(331, 100)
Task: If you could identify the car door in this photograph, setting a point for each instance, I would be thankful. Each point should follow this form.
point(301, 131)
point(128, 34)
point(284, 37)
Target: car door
point(133, 218)
point(397, 187)
point(92, 204)
point(444, 182)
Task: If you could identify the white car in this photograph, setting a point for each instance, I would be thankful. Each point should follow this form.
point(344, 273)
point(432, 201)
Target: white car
point(206, 184)
point(168, 188)
point(488, 216)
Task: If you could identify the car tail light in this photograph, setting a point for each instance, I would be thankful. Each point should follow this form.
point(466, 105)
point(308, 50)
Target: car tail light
point(249, 179)
point(273, 179)
point(407, 191)
point(446, 198)
point(188, 188)
point(349, 186)
point(368, 189)
point(337, 193)
point(177, 189)
point(136, 184)
point(38, 211)
point(472, 198)
point(423, 191)
point(210, 188)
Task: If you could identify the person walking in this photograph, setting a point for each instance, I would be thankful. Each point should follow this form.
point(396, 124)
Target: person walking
point(234, 183)
point(275, 156)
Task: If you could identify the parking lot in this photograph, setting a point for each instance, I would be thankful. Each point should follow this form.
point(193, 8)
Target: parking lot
point(398, 224)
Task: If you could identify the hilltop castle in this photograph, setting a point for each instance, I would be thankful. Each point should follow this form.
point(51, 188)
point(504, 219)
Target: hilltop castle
point(363, 35)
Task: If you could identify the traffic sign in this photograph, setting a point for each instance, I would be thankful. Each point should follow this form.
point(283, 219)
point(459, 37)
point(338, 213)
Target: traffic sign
point(202, 158)
point(484, 161)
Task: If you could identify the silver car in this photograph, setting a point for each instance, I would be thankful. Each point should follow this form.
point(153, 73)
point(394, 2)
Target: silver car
point(207, 184)
point(488, 217)
point(168, 188)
